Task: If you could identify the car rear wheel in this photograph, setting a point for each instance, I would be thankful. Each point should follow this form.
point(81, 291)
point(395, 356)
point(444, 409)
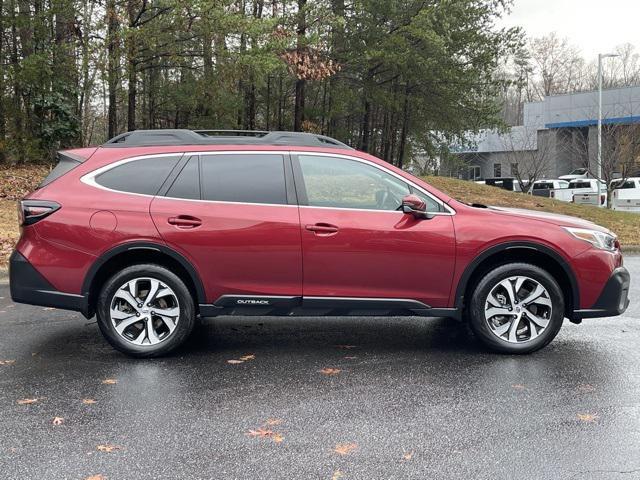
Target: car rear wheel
point(145, 311)
point(516, 308)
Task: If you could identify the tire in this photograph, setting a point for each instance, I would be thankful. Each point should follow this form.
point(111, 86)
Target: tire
point(487, 317)
point(143, 330)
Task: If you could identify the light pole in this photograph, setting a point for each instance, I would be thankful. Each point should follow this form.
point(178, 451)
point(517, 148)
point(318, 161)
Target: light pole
point(600, 57)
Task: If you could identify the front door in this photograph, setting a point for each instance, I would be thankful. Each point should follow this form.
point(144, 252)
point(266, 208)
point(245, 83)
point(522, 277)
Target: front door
point(234, 217)
point(356, 242)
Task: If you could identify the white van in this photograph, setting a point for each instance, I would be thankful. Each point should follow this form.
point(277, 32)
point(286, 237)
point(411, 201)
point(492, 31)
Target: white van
point(626, 195)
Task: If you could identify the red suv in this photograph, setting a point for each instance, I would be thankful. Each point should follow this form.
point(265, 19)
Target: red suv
point(156, 228)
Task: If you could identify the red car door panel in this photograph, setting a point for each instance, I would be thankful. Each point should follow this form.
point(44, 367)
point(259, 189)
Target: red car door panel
point(239, 249)
point(356, 241)
point(247, 246)
point(377, 254)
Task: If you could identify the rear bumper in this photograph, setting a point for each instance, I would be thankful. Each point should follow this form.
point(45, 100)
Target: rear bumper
point(614, 297)
point(28, 286)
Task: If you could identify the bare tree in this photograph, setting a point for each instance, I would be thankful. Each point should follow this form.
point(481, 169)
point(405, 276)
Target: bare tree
point(530, 151)
point(558, 65)
point(620, 153)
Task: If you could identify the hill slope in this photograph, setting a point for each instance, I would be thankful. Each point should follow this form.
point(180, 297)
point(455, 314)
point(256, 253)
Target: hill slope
point(625, 225)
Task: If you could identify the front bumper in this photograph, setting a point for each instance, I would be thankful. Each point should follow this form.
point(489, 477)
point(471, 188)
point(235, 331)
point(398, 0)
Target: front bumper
point(28, 286)
point(614, 297)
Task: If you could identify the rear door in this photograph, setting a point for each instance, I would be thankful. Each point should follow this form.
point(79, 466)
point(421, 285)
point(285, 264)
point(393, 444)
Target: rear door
point(234, 216)
point(358, 244)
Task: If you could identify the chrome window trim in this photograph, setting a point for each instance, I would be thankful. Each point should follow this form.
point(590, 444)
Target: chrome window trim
point(90, 177)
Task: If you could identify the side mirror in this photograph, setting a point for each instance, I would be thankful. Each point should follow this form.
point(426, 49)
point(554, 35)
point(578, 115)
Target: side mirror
point(414, 205)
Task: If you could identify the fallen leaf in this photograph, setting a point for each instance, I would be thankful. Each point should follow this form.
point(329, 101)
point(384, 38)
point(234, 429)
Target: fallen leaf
point(519, 386)
point(247, 358)
point(89, 401)
point(58, 420)
point(48, 308)
point(586, 388)
point(407, 456)
point(336, 475)
point(96, 477)
point(108, 448)
point(235, 362)
point(27, 401)
point(109, 381)
point(330, 371)
point(260, 432)
point(273, 422)
point(7, 362)
point(587, 417)
point(266, 433)
point(345, 448)
point(347, 347)
point(350, 357)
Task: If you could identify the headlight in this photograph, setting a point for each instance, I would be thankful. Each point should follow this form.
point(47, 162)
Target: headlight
point(604, 241)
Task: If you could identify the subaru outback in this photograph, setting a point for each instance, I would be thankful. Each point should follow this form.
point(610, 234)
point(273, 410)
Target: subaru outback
point(158, 228)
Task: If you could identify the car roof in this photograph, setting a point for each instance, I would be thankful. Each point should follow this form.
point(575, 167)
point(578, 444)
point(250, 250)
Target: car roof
point(184, 137)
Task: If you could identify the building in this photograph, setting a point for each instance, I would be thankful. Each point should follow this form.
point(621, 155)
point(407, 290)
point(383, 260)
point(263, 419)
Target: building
point(558, 135)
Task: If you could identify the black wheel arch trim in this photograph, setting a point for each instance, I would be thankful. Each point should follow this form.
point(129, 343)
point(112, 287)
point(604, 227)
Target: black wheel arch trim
point(501, 247)
point(149, 246)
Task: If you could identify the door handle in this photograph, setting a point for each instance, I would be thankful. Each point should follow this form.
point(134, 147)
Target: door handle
point(184, 221)
point(322, 229)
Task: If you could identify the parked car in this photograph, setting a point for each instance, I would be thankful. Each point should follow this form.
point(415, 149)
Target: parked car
point(505, 183)
point(543, 188)
point(583, 191)
point(626, 194)
point(575, 174)
point(156, 228)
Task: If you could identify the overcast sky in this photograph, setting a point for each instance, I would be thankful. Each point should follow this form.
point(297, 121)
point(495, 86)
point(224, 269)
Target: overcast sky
point(595, 26)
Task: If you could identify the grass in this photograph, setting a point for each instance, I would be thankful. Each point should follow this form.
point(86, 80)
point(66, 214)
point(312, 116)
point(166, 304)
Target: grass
point(624, 224)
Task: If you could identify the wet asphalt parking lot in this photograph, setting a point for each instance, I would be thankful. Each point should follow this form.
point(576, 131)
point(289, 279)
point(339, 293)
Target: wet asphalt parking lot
point(402, 398)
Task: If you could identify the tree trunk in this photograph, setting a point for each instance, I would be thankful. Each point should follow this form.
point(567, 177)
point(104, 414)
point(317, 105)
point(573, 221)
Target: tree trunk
point(364, 126)
point(298, 115)
point(17, 91)
point(3, 130)
point(281, 104)
point(25, 32)
point(112, 67)
point(66, 79)
point(405, 128)
point(132, 69)
point(268, 105)
point(338, 10)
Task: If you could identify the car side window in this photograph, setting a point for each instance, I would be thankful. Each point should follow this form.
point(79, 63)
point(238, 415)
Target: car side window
point(342, 183)
point(243, 178)
point(144, 176)
point(187, 183)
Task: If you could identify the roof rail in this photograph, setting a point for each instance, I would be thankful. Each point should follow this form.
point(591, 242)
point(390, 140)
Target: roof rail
point(147, 138)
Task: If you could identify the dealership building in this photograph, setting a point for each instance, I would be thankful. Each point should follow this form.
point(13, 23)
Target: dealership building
point(559, 134)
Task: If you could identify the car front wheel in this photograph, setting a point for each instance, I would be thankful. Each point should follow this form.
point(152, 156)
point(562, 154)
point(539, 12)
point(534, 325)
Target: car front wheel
point(516, 308)
point(145, 311)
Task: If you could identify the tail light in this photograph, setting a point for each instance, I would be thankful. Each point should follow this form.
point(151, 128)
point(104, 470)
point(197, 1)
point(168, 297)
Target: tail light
point(32, 211)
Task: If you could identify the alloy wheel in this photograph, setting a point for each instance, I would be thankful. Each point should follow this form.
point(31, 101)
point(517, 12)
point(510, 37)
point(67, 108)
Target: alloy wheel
point(144, 311)
point(518, 309)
